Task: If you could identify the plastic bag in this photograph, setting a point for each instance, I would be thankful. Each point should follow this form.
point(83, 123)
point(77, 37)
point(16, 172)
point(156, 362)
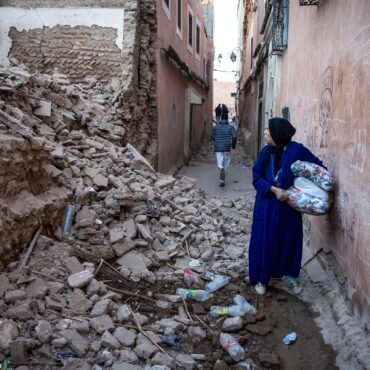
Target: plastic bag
point(317, 174)
point(308, 187)
point(305, 203)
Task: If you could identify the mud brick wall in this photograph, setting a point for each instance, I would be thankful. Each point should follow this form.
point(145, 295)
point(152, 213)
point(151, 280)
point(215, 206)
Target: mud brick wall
point(25, 201)
point(78, 51)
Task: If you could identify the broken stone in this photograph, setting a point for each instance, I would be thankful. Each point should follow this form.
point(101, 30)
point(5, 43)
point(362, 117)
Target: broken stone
point(130, 228)
point(59, 342)
point(186, 361)
point(43, 331)
point(116, 235)
point(77, 343)
point(15, 295)
point(85, 217)
point(78, 302)
point(8, 332)
point(80, 279)
point(52, 304)
point(145, 231)
point(233, 324)
point(109, 341)
point(126, 337)
point(269, 360)
point(163, 359)
point(37, 289)
point(259, 329)
point(76, 363)
point(125, 366)
point(164, 305)
point(196, 332)
point(100, 180)
point(145, 350)
point(82, 326)
point(123, 313)
point(93, 287)
point(18, 352)
point(4, 284)
point(102, 323)
point(124, 247)
point(21, 312)
point(100, 308)
point(128, 355)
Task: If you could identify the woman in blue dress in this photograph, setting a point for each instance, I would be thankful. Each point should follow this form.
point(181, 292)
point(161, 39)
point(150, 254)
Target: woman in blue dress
point(276, 243)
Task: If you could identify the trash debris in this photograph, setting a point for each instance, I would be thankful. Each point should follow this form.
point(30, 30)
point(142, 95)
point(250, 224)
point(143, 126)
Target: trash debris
point(217, 283)
point(290, 338)
point(197, 295)
point(232, 347)
point(172, 341)
point(68, 219)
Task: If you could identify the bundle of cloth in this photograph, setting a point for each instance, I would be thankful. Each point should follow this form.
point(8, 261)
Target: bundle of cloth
point(310, 192)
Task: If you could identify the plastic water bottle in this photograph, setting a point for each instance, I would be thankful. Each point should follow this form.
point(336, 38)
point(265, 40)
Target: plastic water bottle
point(197, 295)
point(192, 279)
point(217, 311)
point(232, 347)
point(218, 282)
point(67, 219)
point(247, 307)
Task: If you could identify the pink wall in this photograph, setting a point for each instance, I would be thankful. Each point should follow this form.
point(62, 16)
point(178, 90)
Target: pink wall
point(326, 85)
point(172, 84)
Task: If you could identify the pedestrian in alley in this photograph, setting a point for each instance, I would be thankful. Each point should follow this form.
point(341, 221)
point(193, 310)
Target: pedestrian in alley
point(224, 137)
point(218, 111)
point(276, 243)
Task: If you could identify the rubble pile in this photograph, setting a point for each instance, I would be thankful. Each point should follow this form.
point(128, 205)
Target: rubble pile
point(98, 290)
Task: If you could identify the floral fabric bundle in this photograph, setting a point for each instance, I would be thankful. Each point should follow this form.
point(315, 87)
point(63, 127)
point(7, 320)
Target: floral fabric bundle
point(305, 203)
point(315, 173)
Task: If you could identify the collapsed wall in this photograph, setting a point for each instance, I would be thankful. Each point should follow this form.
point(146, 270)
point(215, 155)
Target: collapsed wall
point(113, 42)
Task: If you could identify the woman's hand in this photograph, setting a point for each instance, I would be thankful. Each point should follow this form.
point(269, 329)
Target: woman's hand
point(279, 193)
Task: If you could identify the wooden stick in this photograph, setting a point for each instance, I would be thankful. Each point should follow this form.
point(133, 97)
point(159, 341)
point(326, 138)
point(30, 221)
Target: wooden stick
point(172, 204)
point(47, 276)
point(99, 267)
point(186, 236)
point(201, 321)
point(30, 249)
point(187, 248)
point(130, 294)
point(186, 309)
point(149, 338)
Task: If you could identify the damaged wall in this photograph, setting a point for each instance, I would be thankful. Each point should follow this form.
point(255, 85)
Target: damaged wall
point(78, 42)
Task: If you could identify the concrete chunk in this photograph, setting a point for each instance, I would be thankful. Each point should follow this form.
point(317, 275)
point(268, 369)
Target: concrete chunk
point(77, 343)
point(126, 337)
point(109, 341)
point(8, 332)
point(102, 323)
point(43, 331)
point(80, 279)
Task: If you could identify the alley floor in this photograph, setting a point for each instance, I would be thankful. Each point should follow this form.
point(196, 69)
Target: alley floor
point(328, 336)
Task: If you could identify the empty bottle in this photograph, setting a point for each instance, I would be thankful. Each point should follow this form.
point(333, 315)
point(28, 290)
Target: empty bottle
point(192, 279)
point(197, 295)
point(233, 311)
point(248, 308)
point(232, 347)
point(217, 311)
point(218, 282)
point(68, 218)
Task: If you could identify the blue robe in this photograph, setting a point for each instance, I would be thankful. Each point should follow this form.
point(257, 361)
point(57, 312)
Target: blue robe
point(276, 242)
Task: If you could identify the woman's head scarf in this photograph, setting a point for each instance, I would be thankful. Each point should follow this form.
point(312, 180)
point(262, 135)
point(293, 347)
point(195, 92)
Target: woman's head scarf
point(281, 131)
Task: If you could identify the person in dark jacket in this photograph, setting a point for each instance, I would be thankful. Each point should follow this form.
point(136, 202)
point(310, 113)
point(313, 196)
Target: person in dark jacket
point(224, 136)
point(218, 111)
point(275, 248)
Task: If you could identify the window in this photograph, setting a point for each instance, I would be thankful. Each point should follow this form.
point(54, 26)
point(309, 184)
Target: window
point(166, 8)
point(179, 17)
point(190, 29)
point(197, 38)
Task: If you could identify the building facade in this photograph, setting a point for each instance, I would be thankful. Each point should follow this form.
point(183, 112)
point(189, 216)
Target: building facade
point(308, 61)
point(184, 89)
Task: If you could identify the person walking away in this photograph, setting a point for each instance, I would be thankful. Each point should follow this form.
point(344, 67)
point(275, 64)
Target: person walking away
point(218, 112)
point(276, 243)
point(224, 137)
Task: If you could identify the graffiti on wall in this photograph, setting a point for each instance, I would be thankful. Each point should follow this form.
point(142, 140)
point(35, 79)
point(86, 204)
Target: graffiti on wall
point(357, 149)
point(326, 106)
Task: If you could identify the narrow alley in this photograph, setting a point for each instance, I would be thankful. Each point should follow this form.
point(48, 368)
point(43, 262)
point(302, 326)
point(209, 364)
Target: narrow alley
point(124, 244)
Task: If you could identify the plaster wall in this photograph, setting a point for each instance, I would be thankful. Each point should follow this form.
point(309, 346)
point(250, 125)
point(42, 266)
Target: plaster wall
point(326, 84)
point(172, 85)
